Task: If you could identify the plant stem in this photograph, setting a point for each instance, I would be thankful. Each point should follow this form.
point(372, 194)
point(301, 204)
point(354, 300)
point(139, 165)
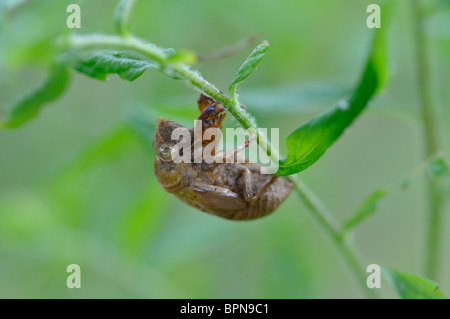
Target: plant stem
point(98, 41)
point(431, 141)
point(318, 210)
point(86, 42)
point(330, 225)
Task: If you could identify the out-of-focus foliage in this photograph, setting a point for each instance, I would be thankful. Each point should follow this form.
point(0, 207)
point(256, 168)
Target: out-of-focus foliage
point(438, 166)
point(77, 183)
point(30, 105)
point(367, 208)
point(412, 286)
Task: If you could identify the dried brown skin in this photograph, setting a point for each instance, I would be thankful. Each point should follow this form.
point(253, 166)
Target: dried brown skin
point(235, 191)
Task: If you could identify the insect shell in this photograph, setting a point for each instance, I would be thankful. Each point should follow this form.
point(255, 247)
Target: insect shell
point(236, 191)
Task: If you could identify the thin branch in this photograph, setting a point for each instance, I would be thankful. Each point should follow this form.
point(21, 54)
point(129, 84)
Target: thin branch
point(324, 218)
point(430, 131)
point(229, 50)
point(318, 210)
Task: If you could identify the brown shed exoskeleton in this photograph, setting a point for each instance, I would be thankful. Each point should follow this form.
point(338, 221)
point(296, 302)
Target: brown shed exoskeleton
point(235, 191)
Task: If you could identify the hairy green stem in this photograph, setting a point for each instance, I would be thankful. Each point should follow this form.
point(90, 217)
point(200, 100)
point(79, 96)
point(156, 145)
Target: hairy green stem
point(331, 226)
point(99, 41)
point(434, 226)
point(233, 95)
point(87, 42)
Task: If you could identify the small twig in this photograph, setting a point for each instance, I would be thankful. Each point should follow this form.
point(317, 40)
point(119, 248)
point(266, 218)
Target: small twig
point(324, 218)
point(157, 54)
point(430, 132)
point(318, 210)
point(229, 50)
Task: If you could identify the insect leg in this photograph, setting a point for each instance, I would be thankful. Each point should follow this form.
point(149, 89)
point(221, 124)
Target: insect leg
point(232, 154)
point(247, 181)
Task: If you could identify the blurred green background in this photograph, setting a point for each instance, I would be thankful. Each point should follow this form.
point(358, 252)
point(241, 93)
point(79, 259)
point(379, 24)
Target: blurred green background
point(77, 183)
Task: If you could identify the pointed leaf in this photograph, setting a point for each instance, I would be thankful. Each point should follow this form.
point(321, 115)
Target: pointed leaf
point(30, 105)
point(250, 63)
point(411, 286)
point(310, 141)
point(366, 209)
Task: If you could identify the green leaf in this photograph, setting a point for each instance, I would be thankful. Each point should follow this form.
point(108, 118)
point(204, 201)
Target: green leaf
point(411, 286)
point(366, 209)
point(122, 16)
point(310, 141)
point(438, 166)
point(127, 65)
point(249, 64)
point(30, 105)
